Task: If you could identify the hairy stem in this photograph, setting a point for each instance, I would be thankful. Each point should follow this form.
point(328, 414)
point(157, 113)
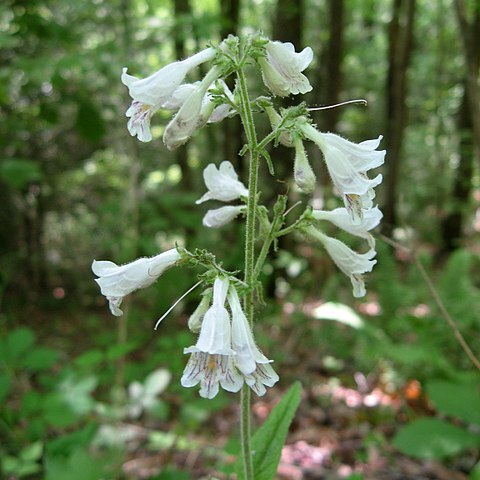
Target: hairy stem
point(247, 119)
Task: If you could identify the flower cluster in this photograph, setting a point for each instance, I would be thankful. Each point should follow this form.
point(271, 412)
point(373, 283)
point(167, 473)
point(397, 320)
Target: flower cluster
point(165, 89)
point(348, 164)
point(225, 353)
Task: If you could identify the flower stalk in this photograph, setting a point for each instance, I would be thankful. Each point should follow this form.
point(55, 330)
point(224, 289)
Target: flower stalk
point(248, 123)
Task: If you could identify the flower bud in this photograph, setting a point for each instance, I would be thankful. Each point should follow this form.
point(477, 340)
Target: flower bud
point(303, 172)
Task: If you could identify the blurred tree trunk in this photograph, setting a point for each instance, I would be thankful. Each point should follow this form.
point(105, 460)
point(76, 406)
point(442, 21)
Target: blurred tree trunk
point(400, 52)
point(288, 21)
point(333, 62)
point(182, 10)
point(287, 27)
point(452, 225)
point(469, 34)
point(231, 127)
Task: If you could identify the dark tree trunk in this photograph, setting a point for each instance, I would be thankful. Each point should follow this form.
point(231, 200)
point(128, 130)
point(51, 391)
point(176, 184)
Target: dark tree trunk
point(400, 52)
point(333, 62)
point(452, 225)
point(470, 37)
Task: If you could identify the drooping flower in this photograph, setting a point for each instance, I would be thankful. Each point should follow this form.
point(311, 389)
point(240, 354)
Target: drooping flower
point(222, 183)
point(302, 170)
point(118, 281)
point(351, 263)
point(150, 93)
point(251, 362)
point(219, 217)
point(212, 358)
point(282, 67)
point(348, 164)
point(190, 116)
point(342, 219)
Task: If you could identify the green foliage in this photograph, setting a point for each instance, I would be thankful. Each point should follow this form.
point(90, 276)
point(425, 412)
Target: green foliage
point(269, 439)
point(460, 400)
point(434, 438)
point(20, 172)
point(81, 465)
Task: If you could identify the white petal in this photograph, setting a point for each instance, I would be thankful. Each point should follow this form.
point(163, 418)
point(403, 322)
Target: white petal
point(363, 156)
point(344, 175)
point(221, 216)
point(342, 219)
point(282, 70)
point(247, 352)
point(351, 263)
point(158, 87)
point(215, 332)
point(222, 183)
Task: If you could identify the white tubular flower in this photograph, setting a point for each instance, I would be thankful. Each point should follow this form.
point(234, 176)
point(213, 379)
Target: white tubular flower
point(222, 183)
point(221, 216)
point(211, 362)
point(347, 164)
point(253, 364)
point(118, 281)
point(351, 263)
point(189, 118)
point(158, 87)
point(342, 219)
point(281, 69)
point(150, 93)
point(302, 170)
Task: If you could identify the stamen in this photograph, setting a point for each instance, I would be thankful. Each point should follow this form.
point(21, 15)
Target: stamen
point(176, 303)
point(341, 104)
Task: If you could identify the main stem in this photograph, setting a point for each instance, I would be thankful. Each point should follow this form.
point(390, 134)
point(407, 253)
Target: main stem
point(247, 119)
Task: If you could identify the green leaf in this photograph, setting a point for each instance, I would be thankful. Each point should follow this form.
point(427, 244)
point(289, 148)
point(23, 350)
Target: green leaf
point(17, 343)
point(431, 438)
point(66, 444)
point(268, 441)
point(40, 359)
point(32, 452)
point(475, 473)
point(20, 172)
point(459, 400)
point(80, 465)
point(89, 359)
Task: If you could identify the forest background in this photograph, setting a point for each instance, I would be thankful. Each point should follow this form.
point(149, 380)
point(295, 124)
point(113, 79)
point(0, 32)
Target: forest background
point(388, 388)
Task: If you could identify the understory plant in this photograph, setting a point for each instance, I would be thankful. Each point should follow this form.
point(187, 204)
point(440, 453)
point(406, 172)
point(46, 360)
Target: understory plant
point(226, 354)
